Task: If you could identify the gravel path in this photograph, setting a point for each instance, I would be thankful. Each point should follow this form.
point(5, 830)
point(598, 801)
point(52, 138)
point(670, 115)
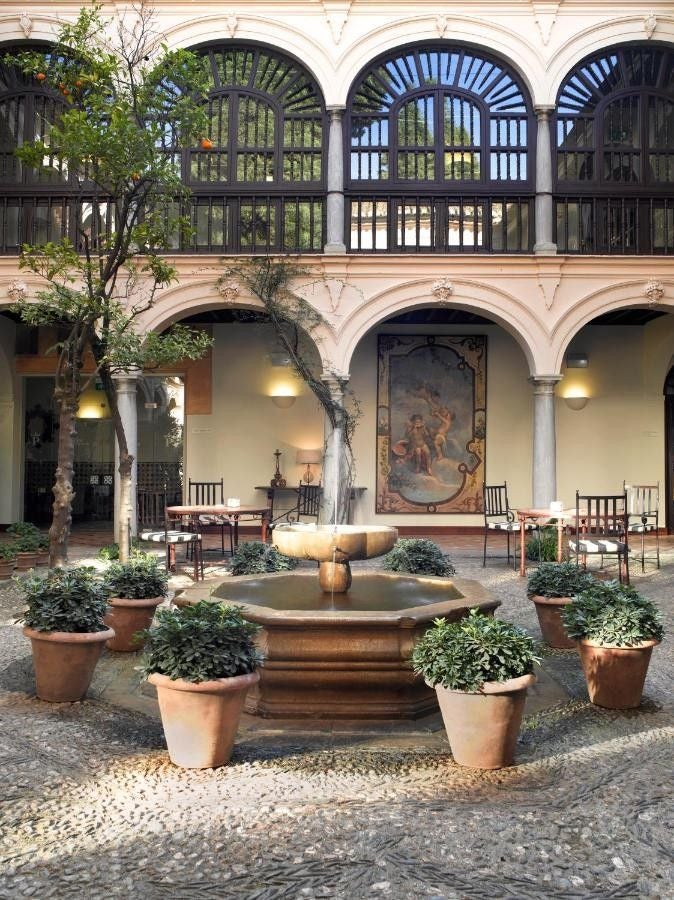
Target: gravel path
point(91, 806)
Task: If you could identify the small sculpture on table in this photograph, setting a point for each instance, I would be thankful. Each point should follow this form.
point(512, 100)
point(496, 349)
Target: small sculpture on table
point(278, 481)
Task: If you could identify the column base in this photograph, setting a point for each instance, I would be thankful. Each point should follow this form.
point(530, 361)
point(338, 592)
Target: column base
point(545, 249)
point(334, 249)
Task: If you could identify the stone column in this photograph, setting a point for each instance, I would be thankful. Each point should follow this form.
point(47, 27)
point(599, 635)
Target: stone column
point(125, 384)
point(335, 208)
point(337, 461)
point(544, 476)
point(544, 245)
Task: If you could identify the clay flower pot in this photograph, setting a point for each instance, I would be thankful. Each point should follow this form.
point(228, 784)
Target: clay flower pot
point(482, 726)
point(615, 676)
point(548, 610)
point(6, 568)
point(26, 560)
point(64, 662)
point(127, 617)
point(200, 719)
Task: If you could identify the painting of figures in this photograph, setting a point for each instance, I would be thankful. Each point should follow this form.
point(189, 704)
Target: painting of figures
point(431, 397)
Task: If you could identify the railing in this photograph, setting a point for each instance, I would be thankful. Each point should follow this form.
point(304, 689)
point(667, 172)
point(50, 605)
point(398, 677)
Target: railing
point(615, 225)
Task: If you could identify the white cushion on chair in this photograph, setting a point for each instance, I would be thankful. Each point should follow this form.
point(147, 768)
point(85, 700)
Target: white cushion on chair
point(214, 520)
point(641, 528)
point(597, 545)
point(508, 526)
point(169, 537)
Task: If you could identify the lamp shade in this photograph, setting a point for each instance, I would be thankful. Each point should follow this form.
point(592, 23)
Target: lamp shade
point(305, 457)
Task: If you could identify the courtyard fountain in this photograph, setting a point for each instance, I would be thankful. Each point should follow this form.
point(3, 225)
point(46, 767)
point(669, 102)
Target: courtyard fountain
point(338, 645)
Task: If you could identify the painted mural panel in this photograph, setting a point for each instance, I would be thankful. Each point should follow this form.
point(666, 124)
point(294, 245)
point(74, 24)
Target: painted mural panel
point(431, 408)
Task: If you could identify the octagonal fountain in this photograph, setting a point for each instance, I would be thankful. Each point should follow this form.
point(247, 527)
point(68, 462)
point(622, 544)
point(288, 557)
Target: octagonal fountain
point(338, 646)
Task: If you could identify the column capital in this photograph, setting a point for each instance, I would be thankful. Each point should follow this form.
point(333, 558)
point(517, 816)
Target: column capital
point(543, 112)
point(544, 384)
point(336, 111)
point(130, 374)
point(336, 383)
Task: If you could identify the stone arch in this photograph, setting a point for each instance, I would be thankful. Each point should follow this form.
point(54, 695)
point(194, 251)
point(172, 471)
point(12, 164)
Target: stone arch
point(513, 315)
point(43, 28)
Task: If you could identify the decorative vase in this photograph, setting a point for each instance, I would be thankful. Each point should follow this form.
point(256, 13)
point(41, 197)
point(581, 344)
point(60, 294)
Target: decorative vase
point(200, 719)
point(64, 662)
point(615, 676)
point(127, 617)
point(548, 610)
point(26, 560)
point(6, 568)
point(482, 726)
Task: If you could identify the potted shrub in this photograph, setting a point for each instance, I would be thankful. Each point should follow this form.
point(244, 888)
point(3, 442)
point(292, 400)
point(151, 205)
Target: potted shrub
point(43, 549)
point(7, 560)
point(64, 621)
point(616, 629)
point(551, 587)
point(27, 548)
point(418, 556)
point(136, 590)
point(480, 668)
point(256, 558)
point(202, 659)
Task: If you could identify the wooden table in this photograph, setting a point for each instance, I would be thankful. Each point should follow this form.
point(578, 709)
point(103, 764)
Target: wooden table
point(231, 512)
point(538, 515)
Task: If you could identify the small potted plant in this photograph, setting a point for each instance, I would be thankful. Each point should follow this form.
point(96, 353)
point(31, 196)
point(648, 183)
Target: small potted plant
point(480, 668)
point(43, 549)
point(27, 548)
point(7, 559)
point(64, 622)
point(136, 589)
point(202, 659)
point(616, 629)
point(551, 587)
point(256, 558)
point(418, 556)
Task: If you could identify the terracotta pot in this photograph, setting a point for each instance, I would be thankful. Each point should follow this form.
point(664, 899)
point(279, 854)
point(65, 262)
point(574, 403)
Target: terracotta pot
point(6, 569)
point(43, 558)
point(548, 610)
point(615, 676)
point(482, 726)
point(64, 663)
point(127, 617)
point(26, 560)
point(200, 720)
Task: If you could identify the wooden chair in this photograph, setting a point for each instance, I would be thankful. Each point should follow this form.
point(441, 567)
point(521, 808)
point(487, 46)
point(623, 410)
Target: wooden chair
point(173, 537)
point(602, 530)
point(643, 505)
point(211, 493)
point(499, 518)
point(151, 508)
point(308, 501)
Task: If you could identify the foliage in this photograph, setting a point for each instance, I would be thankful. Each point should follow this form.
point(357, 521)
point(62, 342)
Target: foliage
point(418, 556)
point(140, 578)
point(553, 579)
point(29, 543)
point(256, 558)
point(110, 552)
point(611, 613)
point(23, 529)
point(71, 600)
point(463, 655)
point(201, 642)
point(7, 552)
point(543, 545)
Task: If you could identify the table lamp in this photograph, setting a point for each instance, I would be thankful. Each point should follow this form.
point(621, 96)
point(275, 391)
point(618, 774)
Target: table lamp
point(308, 458)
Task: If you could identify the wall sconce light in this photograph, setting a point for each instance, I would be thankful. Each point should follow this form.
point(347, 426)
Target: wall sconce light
point(308, 458)
point(283, 401)
point(577, 360)
point(576, 402)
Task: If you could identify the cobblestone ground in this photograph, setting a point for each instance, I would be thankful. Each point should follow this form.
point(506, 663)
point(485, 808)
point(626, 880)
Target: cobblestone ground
point(91, 806)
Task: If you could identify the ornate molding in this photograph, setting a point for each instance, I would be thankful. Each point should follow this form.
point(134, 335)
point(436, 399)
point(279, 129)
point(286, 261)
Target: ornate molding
point(442, 289)
point(17, 290)
point(545, 15)
point(654, 291)
point(337, 14)
point(26, 23)
point(650, 24)
point(441, 25)
point(229, 289)
point(548, 282)
point(230, 25)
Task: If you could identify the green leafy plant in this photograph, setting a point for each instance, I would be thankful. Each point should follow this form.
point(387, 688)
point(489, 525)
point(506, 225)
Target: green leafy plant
point(8, 552)
point(256, 558)
point(463, 655)
point(552, 579)
point(201, 642)
point(418, 556)
point(23, 529)
point(28, 543)
point(612, 613)
point(110, 552)
point(138, 579)
point(543, 546)
point(71, 600)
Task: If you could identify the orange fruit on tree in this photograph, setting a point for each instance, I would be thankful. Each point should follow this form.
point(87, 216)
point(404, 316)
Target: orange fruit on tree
point(78, 83)
point(206, 144)
point(40, 76)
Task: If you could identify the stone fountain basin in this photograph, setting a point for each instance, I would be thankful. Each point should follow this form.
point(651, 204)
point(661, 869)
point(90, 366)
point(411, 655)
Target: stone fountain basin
point(324, 542)
point(343, 656)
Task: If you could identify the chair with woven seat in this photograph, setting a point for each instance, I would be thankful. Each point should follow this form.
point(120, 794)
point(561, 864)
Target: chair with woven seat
point(211, 493)
point(172, 538)
point(499, 518)
point(643, 504)
point(602, 530)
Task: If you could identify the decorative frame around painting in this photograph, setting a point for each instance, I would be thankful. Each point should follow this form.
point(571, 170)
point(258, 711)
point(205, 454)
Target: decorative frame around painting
point(431, 423)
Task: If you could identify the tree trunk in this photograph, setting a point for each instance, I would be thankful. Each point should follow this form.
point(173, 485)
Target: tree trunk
point(62, 517)
point(337, 479)
point(123, 536)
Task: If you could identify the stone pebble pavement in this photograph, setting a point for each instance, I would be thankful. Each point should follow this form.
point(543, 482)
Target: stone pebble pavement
point(91, 807)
